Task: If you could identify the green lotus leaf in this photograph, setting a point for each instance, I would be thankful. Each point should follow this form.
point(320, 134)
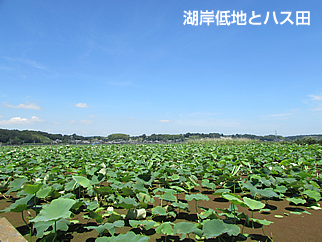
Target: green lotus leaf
point(253, 204)
point(142, 197)
point(129, 236)
point(267, 192)
point(185, 228)
point(19, 208)
point(32, 189)
point(280, 189)
point(263, 222)
point(223, 190)
point(16, 185)
point(91, 205)
point(71, 185)
point(165, 228)
point(232, 198)
point(57, 209)
point(96, 216)
point(83, 181)
point(313, 194)
point(179, 189)
point(159, 211)
point(197, 197)
point(28, 201)
point(41, 227)
point(168, 196)
point(296, 200)
point(43, 192)
point(206, 183)
point(139, 186)
point(128, 203)
point(181, 205)
point(146, 224)
point(232, 229)
point(175, 177)
point(104, 190)
point(107, 226)
point(213, 228)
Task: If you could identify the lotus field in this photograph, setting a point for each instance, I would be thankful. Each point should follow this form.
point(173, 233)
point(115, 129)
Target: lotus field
point(187, 192)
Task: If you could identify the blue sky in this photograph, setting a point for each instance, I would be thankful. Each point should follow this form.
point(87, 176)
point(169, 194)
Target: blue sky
point(102, 67)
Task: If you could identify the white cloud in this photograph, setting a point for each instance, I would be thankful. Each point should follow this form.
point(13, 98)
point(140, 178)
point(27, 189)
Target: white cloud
point(1, 116)
point(315, 97)
point(164, 121)
point(86, 121)
point(19, 120)
point(317, 109)
point(28, 62)
point(71, 121)
point(56, 122)
point(92, 116)
point(81, 105)
point(21, 105)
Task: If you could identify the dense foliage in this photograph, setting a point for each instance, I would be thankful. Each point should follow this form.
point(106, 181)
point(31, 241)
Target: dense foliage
point(98, 180)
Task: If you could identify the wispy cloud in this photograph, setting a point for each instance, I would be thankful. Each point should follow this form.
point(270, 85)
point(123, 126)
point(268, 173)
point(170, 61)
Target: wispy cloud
point(30, 63)
point(86, 122)
point(164, 121)
point(81, 105)
point(19, 120)
point(92, 116)
point(21, 105)
point(316, 97)
point(317, 109)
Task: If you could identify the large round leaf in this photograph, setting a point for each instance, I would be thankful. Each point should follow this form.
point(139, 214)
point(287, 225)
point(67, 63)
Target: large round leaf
point(196, 197)
point(129, 236)
point(313, 194)
point(186, 228)
point(57, 209)
point(253, 204)
point(83, 181)
point(213, 228)
point(32, 189)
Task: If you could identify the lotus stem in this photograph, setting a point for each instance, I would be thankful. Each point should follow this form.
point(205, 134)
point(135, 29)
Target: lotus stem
point(197, 211)
point(55, 232)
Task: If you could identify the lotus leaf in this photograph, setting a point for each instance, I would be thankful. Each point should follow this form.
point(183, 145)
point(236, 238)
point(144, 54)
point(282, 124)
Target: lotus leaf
point(253, 204)
point(296, 200)
point(159, 211)
point(146, 224)
point(165, 228)
point(185, 228)
point(129, 236)
point(57, 209)
point(196, 197)
point(313, 194)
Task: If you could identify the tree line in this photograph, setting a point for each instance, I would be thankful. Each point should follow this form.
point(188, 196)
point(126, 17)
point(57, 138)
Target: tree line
point(17, 137)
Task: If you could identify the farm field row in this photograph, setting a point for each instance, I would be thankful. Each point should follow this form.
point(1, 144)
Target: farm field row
point(173, 192)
